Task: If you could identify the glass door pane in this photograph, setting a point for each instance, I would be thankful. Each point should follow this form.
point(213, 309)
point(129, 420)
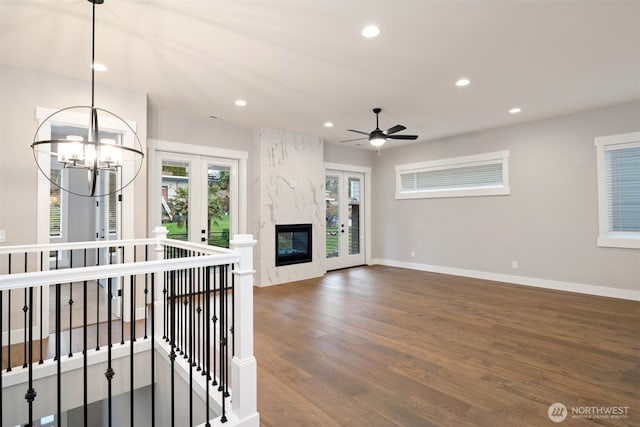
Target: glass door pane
point(218, 204)
point(332, 200)
point(175, 198)
point(354, 215)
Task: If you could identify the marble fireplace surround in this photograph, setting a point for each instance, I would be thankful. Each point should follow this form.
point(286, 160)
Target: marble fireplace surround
point(288, 185)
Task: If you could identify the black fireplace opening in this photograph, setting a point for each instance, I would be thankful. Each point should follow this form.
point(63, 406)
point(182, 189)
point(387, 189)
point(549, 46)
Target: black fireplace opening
point(293, 244)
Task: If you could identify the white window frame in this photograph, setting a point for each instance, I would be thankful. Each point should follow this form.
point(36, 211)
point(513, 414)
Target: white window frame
point(606, 238)
point(498, 157)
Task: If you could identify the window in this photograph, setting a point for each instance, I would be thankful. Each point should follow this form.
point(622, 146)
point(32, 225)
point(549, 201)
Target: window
point(55, 204)
point(618, 168)
point(113, 203)
point(478, 175)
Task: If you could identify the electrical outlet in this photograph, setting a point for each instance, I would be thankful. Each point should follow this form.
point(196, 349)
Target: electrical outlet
point(514, 264)
point(3, 236)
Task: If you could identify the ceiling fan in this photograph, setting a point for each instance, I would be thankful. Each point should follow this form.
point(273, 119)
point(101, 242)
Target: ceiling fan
point(378, 137)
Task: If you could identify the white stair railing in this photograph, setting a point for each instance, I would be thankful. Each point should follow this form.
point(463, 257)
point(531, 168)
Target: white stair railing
point(196, 300)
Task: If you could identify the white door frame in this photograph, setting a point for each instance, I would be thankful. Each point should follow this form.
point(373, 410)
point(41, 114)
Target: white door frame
point(158, 148)
point(366, 171)
point(127, 213)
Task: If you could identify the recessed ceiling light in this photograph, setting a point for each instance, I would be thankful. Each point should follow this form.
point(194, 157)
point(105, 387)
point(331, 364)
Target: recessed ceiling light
point(99, 67)
point(515, 110)
point(370, 31)
point(241, 103)
point(463, 82)
point(328, 125)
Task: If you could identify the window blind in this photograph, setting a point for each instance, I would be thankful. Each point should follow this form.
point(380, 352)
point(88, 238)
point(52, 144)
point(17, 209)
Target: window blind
point(622, 174)
point(474, 176)
point(484, 174)
point(55, 204)
point(113, 203)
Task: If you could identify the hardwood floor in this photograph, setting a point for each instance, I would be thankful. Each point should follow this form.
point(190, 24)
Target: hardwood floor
point(378, 346)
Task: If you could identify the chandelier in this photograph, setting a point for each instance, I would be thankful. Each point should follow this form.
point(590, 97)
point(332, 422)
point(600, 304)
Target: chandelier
point(90, 149)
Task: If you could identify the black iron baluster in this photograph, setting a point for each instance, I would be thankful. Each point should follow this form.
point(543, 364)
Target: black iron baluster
point(132, 337)
point(109, 374)
point(25, 308)
point(31, 393)
point(191, 364)
point(9, 323)
point(146, 291)
point(70, 304)
point(98, 303)
point(179, 308)
point(198, 311)
point(225, 355)
point(58, 351)
point(207, 342)
point(172, 354)
point(1, 367)
point(165, 306)
point(153, 352)
point(84, 347)
point(222, 350)
point(214, 319)
point(41, 318)
point(121, 295)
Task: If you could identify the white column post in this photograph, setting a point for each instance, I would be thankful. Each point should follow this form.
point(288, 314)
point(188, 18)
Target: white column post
point(243, 366)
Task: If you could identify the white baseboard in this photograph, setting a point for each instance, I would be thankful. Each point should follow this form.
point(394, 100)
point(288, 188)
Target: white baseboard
point(17, 335)
point(557, 285)
point(140, 311)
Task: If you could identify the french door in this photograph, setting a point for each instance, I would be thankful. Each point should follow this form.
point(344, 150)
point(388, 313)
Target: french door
point(344, 199)
point(198, 197)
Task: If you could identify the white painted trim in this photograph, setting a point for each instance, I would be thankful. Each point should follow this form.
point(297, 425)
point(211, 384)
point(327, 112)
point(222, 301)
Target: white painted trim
point(557, 285)
point(621, 138)
point(605, 237)
point(239, 171)
point(445, 163)
point(17, 335)
point(367, 172)
point(19, 375)
point(196, 150)
point(501, 157)
point(79, 274)
point(75, 117)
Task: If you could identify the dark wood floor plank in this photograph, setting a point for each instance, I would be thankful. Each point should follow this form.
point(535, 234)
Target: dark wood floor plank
point(380, 346)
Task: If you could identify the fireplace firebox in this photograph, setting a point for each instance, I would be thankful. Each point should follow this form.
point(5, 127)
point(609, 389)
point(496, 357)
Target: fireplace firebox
point(293, 244)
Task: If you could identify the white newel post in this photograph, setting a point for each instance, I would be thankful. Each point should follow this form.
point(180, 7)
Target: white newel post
point(243, 366)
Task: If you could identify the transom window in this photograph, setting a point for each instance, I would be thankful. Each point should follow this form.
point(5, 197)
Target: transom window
point(478, 175)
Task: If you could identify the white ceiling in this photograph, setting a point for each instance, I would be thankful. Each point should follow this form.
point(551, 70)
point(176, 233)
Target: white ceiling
point(301, 63)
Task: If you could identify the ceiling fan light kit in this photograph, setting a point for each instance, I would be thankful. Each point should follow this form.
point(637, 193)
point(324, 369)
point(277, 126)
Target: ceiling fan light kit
point(378, 137)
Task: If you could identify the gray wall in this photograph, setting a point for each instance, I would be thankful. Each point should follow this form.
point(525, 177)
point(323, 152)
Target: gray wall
point(549, 223)
point(21, 91)
point(174, 127)
point(336, 153)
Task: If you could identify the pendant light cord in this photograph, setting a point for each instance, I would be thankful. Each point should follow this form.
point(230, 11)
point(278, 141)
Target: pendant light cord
point(93, 54)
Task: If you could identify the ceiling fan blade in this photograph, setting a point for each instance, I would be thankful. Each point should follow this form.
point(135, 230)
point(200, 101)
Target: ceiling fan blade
point(356, 139)
point(358, 131)
point(394, 129)
point(402, 137)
